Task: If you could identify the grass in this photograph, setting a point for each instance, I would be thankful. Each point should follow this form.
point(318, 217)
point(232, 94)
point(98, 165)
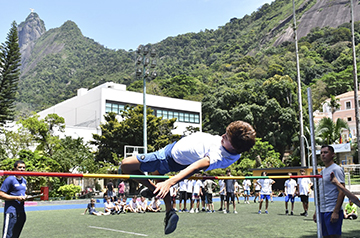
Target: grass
point(247, 223)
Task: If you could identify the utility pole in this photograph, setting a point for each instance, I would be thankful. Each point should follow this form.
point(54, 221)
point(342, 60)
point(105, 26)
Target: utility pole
point(301, 121)
point(355, 79)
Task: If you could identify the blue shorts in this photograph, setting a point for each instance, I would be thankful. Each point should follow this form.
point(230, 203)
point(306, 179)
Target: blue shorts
point(247, 192)
point(329, 228)
point(267, 197)
point(290, 197)
point(160, 161)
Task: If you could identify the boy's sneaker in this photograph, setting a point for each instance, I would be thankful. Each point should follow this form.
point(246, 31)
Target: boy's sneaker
point(220, 209)
point(306, 214)
point(286, 212)
point(291, 213)
point(145, 192)
point(213, 211)
point(191, 210)
point(196, 210)
point(185, 210)
point(302, 214)
point(266, 212)
point(235, 212)
point(259, 212)
point(171, 220)
point(208, 211)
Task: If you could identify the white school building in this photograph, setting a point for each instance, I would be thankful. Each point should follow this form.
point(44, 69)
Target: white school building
point(85, 112)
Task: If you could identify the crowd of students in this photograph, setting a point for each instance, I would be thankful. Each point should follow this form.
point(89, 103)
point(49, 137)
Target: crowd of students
point(200, 196)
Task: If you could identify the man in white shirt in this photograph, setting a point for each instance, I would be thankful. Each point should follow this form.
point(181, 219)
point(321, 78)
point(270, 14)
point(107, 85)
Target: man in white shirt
point(265, 191)
point(303, 186)
point(290, 190)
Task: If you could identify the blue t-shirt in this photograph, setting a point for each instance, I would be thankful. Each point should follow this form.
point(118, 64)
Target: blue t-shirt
point(14, 187)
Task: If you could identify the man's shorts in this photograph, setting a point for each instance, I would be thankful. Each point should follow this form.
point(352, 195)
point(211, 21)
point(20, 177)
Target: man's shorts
point(182, 195)
point(209, 198)
point(263, 196)
point(195, 196)
point(329, 228)
point(189, 196)
point(290, 197)
point(222, 197)
point(160, 161)
point(247, 192)
point(230, 195)
point(304, 198)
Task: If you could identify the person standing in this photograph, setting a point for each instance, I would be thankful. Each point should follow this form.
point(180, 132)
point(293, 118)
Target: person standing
point(290, 190)
point(13, 192)
point(121, 189)
point(331, 198)
point(303, 190)
point(246, 185)
point(182, 194)
point(222, 194)
point(256, 191)
point(208, 187)
point(110, 190)
point(229, 189)
point(265, 191)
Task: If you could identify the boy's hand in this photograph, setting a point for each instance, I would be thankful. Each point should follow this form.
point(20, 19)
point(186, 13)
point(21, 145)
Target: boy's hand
point(162, 189)
point(333, 179)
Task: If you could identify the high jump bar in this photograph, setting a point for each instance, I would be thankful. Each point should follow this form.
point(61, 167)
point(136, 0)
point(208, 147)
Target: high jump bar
point(129, 176)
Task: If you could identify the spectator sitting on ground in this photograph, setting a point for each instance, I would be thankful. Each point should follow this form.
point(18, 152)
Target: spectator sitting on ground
point(142, 204)
point(133, 205)
point(109, 207)
point(120, 205)
point(154, 205)
point(91, 208)
point(350, 211)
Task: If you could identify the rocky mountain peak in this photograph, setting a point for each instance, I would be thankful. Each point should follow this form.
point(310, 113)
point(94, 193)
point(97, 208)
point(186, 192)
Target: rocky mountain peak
point(29, 31)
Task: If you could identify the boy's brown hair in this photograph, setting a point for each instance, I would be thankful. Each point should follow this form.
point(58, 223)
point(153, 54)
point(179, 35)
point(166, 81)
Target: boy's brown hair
point(241, 135)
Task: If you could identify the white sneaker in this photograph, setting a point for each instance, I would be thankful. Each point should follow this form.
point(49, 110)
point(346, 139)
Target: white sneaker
point(191, 210)
point(197, 210)
point(235, 212)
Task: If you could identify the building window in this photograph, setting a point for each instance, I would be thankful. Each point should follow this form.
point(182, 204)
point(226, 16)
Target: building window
point(348, 105)
point(159, 112)
point(349, 119)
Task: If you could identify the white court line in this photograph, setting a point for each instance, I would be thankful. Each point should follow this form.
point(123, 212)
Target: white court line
point(108, 229)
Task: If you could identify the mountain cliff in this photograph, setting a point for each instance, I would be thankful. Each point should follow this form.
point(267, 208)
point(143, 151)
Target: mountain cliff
point(29, 31)
point(331, 13)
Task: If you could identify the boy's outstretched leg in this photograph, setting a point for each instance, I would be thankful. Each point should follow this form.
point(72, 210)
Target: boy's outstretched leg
point(131, 165)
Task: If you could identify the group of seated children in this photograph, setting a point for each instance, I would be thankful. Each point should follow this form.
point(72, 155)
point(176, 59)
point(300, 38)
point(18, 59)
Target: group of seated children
point(121, 206)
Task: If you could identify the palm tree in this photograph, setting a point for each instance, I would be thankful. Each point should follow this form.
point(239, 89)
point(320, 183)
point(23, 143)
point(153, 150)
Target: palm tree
point(334, 105)
point(329, 131)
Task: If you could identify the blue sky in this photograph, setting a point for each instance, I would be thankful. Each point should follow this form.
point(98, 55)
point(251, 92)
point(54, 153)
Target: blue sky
point(124, 24)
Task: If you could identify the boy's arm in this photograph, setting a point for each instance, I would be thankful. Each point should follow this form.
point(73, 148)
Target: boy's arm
point(349, 194)
point(163, 187)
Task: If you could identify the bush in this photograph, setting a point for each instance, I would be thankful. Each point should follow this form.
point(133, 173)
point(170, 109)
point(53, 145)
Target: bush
point(69, 191)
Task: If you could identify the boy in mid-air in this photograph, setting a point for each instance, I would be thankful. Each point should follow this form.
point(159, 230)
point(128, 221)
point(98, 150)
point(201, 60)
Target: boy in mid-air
point(190, 154)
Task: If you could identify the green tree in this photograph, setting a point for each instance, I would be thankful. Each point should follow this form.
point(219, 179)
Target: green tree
point(116, 134)
point(43, 131)
point(9, 74)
